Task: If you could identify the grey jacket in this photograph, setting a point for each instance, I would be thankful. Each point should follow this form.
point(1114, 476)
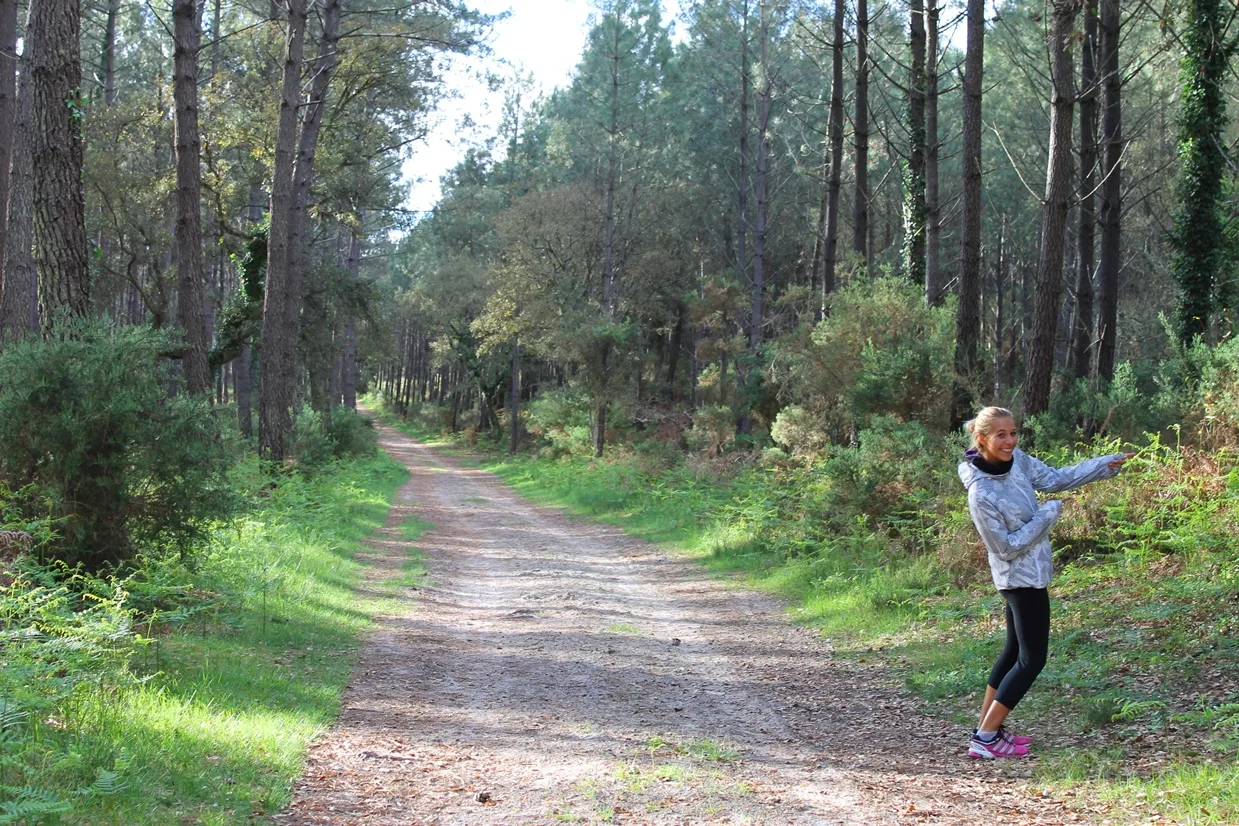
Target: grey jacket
point(1015, 530)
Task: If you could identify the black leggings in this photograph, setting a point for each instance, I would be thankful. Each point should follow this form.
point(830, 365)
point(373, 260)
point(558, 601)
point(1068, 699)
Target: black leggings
point(1028, 643)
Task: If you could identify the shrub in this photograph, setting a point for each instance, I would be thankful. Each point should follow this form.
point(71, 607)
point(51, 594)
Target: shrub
point(799, 432)
point(313, 446)
point(561, 419)
point(880, 352)
point(93, 437)
point(352, 433)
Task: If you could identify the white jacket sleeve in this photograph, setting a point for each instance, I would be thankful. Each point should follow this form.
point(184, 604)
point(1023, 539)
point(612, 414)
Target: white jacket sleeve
point(1052, 480)
point(1005, 544)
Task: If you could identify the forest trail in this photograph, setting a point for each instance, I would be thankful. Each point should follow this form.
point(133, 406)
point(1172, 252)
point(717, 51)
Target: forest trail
point(555, 671)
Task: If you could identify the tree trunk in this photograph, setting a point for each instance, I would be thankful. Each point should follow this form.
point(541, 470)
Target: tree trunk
point(216, 42)
point(187, 36)
point(860, 208)
point(1000, 282)
point(109, 52)
point(1054, 222)
point(8, 108)
point(933, 209)
point(1082, 331)
point(279, 339)
point(348, 377)
point(968, 313)
point(18, 294)
point(742, 180)
point(914, 182)
point(514, 399)
point(53, 36)
point(241, 377)
point(1108, 262)
point(763, 161)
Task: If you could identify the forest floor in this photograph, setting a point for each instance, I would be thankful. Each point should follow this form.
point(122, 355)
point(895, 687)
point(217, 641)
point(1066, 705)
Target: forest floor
point(548, 670)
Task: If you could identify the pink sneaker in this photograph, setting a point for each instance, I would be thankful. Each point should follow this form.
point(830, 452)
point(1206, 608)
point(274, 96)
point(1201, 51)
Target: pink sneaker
point(995, 749)
point(1013, 738)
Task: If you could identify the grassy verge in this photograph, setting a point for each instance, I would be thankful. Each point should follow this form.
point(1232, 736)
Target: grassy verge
point(1140, 702)
point(233, 665)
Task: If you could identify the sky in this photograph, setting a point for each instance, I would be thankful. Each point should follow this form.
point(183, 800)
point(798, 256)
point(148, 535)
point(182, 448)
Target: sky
point(544, 37)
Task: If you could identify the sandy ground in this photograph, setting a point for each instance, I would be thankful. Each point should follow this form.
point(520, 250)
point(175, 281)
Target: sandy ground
point(554, 671)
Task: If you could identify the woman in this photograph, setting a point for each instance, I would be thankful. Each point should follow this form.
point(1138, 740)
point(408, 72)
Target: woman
point(1002, 483)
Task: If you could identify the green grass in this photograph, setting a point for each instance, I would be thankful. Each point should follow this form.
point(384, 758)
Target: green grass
point(1145, 650)
point(215, 731)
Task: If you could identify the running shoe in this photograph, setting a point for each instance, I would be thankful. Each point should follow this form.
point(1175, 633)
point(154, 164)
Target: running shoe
point(995, 749)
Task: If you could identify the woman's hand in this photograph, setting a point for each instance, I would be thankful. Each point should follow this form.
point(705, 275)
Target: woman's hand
point(1118, 463)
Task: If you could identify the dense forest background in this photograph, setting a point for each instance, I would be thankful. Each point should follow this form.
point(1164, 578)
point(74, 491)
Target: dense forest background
point(746, 274)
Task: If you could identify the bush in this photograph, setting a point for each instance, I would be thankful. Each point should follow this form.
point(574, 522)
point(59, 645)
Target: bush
point(96, 442)
point(880, 352)
point(313, 446)
point(561, 420)
point(352, 433)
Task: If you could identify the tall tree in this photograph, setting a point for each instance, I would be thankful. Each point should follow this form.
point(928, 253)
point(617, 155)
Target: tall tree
point(968, 311)
point(191, 312)
point(1057, 203)
point(53, 35)
point(279, 339)
point(760, 182)
point(19, 314)
point(8, 108)
point(1110, 218)
point(1197, 238)
point(321, 74)
point(1082, 327)
point(914, 175)
point(834, 132)
point(860, 206)
point(933, 208)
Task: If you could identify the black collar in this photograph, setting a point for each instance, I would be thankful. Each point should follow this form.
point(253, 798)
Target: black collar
point(995, 469)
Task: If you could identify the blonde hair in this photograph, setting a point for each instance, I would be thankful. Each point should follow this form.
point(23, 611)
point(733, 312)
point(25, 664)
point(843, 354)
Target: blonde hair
point(981, 425)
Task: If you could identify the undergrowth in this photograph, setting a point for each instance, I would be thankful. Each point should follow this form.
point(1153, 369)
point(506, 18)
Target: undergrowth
point(185, 690)
point(874, 547)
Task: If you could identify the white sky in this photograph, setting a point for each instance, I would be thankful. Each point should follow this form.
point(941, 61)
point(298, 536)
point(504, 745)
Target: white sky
point(542, 37)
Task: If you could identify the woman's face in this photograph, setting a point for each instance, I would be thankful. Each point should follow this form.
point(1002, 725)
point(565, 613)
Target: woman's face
point(999, 444)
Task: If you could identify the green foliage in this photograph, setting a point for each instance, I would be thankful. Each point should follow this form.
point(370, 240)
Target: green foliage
point(880, 352)
point(173, 692)
point(1197, 240)
point(240, 319)
point(560, 419)
point(318, 440)
point(98, 444)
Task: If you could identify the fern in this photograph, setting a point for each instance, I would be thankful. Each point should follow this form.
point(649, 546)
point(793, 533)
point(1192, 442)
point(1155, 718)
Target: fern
point(28, 804)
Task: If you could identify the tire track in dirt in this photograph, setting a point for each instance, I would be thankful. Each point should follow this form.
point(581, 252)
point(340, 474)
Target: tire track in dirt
point(557, 671)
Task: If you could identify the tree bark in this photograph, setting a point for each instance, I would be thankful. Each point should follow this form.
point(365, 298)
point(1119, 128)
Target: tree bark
point(763, 204)
point(1048, 292)
point(18, 290)
point(514, 399)
point(968, 312)
point(53, 36)
point(1082, 330)
point(742, 180)
point(860, 208)
point(109, 52)
point(8, 107)
point(933, 208)
point(1111, 191)
point(348, 377)
point(242, 381)
point(187, 35)
point(279, 340)
point(914, 181)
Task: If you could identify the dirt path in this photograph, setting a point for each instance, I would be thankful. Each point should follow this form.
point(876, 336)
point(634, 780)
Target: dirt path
point(556, 671)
